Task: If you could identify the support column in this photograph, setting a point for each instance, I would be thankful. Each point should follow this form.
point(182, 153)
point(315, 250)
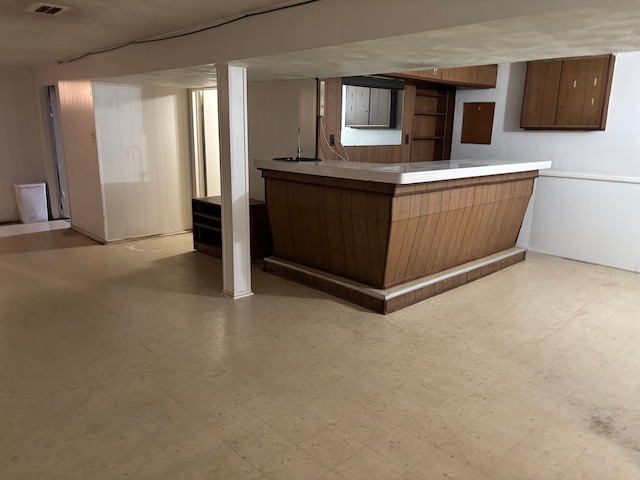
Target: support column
point(234, 166)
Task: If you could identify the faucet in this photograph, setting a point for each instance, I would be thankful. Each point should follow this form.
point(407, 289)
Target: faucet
point(299, 151)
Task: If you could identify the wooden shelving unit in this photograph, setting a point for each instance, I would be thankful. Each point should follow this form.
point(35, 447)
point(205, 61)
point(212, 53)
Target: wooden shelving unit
point(432, 123)
point(207, 227)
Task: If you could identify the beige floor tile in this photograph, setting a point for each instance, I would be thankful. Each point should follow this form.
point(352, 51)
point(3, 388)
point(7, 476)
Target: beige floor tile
point(545, 453)
point(298, 424)
point(294, 464)
point(391, 407)
point(333, 406)
point(431, 427)
point(331, 446)
point(443, 465)
point(119, 361)
point(204, 456)
point(367, 464)
point(332, 475)
point(363, 426)
point(402, 447)
point(258, 445)
point(606, 458)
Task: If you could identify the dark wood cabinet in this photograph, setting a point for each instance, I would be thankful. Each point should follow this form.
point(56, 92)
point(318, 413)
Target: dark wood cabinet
point(207, 227)
point(569, 94)
point(541, 94)
point(480, 76)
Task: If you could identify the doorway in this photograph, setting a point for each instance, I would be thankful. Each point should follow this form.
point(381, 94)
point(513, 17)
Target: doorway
point(58, 192)
point(206, 142)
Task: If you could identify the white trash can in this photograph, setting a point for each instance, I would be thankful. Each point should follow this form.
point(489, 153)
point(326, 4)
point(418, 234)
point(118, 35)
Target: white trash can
point(32, 202)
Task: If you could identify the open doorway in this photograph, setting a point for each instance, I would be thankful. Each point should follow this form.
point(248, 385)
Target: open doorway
point(58, 192)
point(206, 142)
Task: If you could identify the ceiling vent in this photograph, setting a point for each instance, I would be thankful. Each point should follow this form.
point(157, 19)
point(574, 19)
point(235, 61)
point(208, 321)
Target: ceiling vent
point(47, 9)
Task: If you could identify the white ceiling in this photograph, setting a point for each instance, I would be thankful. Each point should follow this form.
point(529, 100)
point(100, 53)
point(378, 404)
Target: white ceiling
point(610, 26)
point(31, 40)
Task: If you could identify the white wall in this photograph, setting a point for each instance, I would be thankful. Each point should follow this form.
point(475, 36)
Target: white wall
point(275, 111)
point(21, 153)
point(585, 208)
point(144, 156)
point(81, 157)
point(211, 141)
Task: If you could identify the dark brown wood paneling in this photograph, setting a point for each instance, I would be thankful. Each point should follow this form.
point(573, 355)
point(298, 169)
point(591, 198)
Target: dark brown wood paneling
point(481, 76)
point(573, 84)
point(462, 220)
point(384, 235)
point(541, 93)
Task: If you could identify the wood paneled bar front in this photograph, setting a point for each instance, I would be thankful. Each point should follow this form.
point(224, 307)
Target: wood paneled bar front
point(386, 236)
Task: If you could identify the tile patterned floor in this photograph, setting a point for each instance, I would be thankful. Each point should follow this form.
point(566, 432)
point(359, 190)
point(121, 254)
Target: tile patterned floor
point(125, 361)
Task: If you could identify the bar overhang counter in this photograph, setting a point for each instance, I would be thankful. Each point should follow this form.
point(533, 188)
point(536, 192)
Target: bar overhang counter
point(386, 236)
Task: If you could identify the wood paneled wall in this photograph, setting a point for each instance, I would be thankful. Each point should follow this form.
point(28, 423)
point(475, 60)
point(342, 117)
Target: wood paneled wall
point(81, 157)
point(384, 234)
point(426, 129)
point(339, 226)
point(439, 225)
point(330, 123)
point(144, 158)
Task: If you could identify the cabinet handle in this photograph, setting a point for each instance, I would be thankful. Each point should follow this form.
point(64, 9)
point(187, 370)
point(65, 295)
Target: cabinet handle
point(595, 81)
point(592, 101)
point(575, 83)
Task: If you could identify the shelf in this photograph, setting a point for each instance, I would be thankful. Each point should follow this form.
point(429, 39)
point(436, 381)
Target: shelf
point(433, 95)
point(436, 114)
point(208, 227)
point(428, 138)
point(207, 215)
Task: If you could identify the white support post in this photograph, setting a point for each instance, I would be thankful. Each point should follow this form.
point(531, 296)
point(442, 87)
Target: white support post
point(234, 169)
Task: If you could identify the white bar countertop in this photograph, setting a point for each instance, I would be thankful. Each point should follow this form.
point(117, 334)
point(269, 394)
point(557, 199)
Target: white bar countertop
point(403, 173)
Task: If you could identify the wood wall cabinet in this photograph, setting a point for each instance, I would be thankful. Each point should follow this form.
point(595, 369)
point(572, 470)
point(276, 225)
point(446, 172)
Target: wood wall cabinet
point(568, 93)
point(207, 227)
point(480, 76)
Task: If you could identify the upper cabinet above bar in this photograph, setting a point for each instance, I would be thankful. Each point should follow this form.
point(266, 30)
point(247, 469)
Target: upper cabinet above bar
point(480, 76)
point(567, 94)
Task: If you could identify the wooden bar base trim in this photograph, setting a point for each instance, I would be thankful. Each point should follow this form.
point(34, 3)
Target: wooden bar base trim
point(400, 296)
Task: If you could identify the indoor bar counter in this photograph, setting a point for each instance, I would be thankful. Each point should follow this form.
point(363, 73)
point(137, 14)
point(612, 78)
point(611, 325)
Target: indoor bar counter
point(386, 236)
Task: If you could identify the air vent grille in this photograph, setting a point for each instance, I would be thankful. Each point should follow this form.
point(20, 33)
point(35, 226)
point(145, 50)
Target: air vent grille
point(47, 9)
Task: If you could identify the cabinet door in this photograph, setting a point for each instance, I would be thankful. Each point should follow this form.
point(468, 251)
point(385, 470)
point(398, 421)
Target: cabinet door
point(379, 107)
point(357, 107)
point(486, 75)
point(594, 110)
point(541, 94)
point(571, 94)
point(454, 74)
